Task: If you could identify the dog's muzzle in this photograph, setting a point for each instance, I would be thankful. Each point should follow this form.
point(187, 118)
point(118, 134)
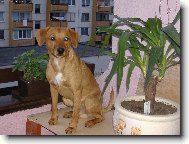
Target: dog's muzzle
point(60, 51)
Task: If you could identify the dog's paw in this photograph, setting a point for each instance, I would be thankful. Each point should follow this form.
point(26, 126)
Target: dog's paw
point(68, 114)
point(70, 130)
point(53, 121)
point(89, 123)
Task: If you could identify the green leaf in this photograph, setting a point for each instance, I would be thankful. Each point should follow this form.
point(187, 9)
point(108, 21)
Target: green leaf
point(130, 70)
point(111, 74)
point(151, 31)
point(121, 56)
point(153, 58)
point(111, 30)
point(134, 26)
point(113, 55)
point(173, 37)
point(177, 17)
point(162, 65)
point(170, 47)
point(136, 56)
point(107, 38)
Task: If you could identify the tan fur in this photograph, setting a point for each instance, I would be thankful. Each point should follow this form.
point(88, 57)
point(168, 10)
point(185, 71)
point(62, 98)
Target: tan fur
point(70, 77)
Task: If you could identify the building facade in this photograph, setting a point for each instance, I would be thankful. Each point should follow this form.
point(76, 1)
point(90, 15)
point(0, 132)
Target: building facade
point(20, 19)
point(102, 15)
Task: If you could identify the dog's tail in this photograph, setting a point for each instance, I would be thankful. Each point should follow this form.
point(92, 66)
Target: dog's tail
point(111, 101)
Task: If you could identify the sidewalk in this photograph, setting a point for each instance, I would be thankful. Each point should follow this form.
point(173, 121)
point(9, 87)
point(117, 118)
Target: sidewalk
point(7, 54)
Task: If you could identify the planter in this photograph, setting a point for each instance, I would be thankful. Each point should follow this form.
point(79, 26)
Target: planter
point(33, 89)
point(126, 122)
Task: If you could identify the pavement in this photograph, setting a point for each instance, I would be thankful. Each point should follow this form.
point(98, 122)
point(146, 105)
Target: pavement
point(7, 54)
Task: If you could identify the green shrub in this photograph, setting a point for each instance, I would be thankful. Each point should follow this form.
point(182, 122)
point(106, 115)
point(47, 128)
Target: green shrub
point(34, 67)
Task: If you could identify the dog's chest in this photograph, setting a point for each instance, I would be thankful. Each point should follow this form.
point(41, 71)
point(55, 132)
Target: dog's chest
point(58, 77)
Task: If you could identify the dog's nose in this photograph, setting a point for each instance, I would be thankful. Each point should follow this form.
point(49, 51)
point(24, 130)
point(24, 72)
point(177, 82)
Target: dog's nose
point(60, 51)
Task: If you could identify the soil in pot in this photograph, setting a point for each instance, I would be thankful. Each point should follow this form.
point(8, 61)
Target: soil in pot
point(160, 108)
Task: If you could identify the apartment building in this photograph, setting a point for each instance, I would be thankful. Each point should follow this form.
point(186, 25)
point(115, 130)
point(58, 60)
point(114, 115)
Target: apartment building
point(20, 19)
point(4, 27)
point(20, 23)
point(39, 15)
point(79, 17)
point(102, 15)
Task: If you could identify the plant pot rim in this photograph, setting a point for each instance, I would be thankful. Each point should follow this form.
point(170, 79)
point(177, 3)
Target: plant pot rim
point(145, 117)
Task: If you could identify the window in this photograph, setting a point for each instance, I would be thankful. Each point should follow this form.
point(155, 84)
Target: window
point(73, 29)
point(59, 1)
point(104, 3)
point(19, 16)
point(102, 17)
point(1, 34)
point(22, 34)
point(85, 3)
point(84, 31)
point(61, 16)
point(21, 1)
point(37, 8)
point(37, 24)
point(2, 17)
point(85, 17)
point(71, 17)
point(1, 1)
point(71, 2)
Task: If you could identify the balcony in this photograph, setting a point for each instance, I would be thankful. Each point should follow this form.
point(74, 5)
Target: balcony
point(98, 38)
point(22, 42)
point(59, 7)
point(103, 23)
point(107, 9)
point(21, 24)
point(58, 23)
point(21, 6)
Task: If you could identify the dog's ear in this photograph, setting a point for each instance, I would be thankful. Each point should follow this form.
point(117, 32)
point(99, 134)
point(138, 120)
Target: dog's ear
point(41, 35)
point(74, 37)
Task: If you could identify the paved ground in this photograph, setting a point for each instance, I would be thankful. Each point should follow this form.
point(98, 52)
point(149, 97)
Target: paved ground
point(7, 54)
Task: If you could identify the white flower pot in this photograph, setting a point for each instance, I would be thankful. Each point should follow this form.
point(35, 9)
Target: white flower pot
point(126, 122)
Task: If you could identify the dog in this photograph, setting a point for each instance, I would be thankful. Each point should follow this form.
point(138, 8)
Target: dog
point(69, 76)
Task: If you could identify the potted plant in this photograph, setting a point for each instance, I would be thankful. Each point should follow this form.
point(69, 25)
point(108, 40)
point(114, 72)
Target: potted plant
point(144, 43)
point(33, 84)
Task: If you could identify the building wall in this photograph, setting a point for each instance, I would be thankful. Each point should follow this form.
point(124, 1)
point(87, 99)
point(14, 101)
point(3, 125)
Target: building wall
point(39, 16)
point(19, 25)
point(43, 17)
point(101, 9)
point(4, 25)
point(78, 10)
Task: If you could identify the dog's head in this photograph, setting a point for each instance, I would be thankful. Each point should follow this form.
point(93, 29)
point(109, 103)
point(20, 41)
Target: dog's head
point(58, 40)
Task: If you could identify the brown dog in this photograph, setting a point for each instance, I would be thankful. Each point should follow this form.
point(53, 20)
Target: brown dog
point(70, 77)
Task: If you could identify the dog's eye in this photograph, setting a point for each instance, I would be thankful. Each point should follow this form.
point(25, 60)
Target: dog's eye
point(52, 38)
point(66, 38)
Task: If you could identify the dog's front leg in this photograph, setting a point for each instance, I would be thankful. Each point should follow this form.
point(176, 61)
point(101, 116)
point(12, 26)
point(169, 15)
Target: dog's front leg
point(54, 111)
point(75, 115)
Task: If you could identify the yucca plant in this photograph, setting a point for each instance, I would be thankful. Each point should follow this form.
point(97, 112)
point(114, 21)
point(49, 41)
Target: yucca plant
point(151, 47)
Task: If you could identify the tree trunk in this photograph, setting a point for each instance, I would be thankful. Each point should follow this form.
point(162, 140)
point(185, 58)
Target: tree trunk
point(150, 92)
